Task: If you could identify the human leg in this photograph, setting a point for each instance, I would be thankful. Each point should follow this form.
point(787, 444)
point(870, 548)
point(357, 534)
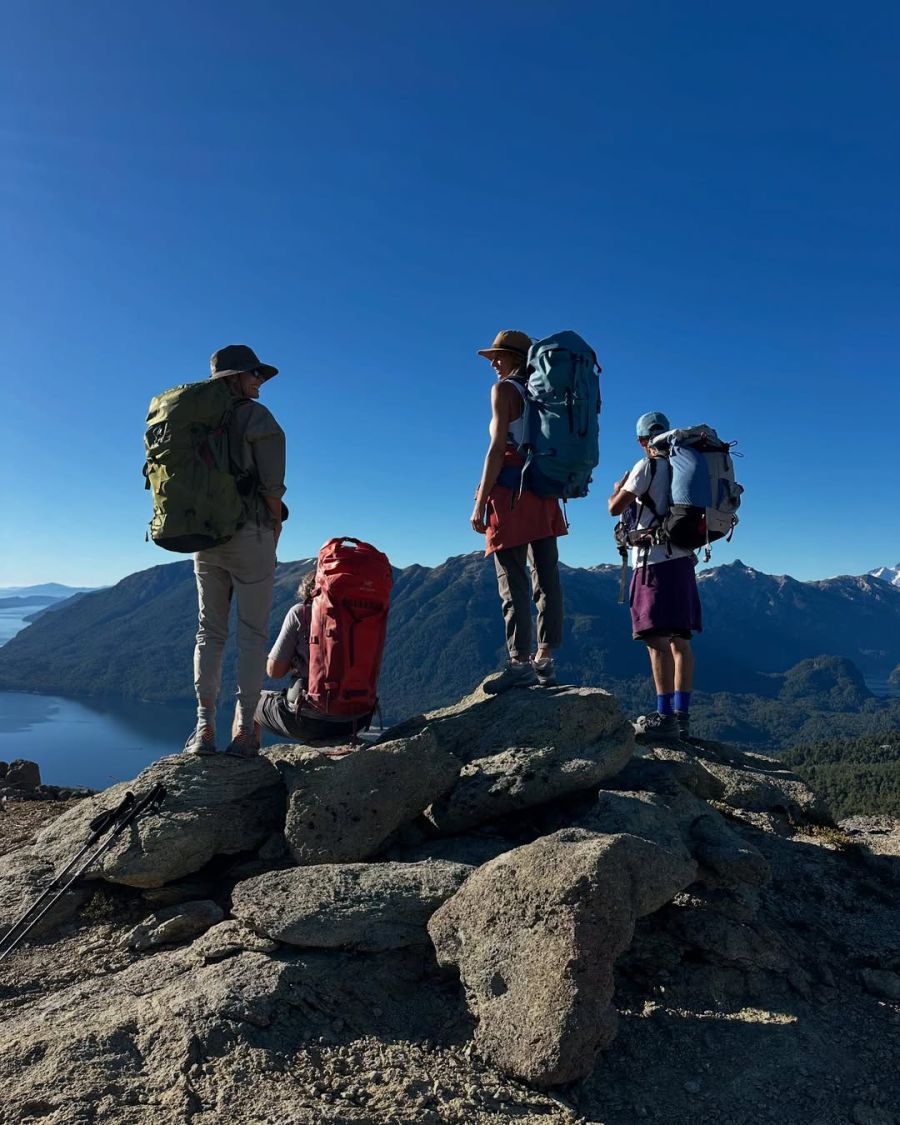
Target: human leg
point(547, 594)
point(515, 597)
point(660, 723)
point(214, 601)
point(683, 657)
point(252, 567)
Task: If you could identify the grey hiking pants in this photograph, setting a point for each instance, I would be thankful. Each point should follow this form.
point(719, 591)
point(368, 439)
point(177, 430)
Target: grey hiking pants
point(517, 593)
point(242, 568)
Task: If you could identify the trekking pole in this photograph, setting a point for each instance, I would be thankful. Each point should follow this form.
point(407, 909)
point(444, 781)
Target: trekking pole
point(99, 826)
point(150, 800)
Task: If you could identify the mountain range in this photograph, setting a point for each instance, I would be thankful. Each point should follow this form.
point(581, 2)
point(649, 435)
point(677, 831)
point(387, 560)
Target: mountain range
point(43, 593)
point(887, 574)
point(776, 655)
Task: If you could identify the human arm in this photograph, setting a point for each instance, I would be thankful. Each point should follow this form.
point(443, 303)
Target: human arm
point(273, 503)
point(620, 498)
point(282, 654)
point(632, 486)
point(275, 669)
point(504, 399)
point(267, 443)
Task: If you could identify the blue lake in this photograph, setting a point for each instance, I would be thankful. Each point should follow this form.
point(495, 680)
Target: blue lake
point(96, 743)
point(12, 620)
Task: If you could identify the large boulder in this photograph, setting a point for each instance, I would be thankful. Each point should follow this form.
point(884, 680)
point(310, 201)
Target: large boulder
point(213, 806)
point(725, 857)
point(25, 774)
point(345, 809)
point(535, 934)
point(524, 748)
point(364, 906)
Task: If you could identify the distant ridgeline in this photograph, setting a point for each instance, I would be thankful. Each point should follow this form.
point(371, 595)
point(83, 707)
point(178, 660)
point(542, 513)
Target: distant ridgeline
point(761, 666)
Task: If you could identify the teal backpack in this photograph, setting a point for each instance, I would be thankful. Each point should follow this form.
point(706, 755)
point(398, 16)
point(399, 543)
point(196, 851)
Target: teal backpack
point(561, 443)
point(196, 491)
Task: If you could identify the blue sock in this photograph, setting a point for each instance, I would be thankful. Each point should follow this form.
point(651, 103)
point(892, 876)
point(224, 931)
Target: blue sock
point(664, 703)
point(683, 701)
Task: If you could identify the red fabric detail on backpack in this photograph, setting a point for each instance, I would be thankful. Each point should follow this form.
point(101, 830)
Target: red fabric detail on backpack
point(348, 627)
point(530, 518)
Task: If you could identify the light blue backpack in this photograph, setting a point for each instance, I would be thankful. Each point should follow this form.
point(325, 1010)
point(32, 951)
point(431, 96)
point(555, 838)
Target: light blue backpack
point(561, 442)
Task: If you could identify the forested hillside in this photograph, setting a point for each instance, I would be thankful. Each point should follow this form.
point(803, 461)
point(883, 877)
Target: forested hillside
point(855, 776)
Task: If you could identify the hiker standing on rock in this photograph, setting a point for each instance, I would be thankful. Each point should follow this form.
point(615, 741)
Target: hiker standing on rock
point(520, 528)
point(664, 602)
point(243, 568)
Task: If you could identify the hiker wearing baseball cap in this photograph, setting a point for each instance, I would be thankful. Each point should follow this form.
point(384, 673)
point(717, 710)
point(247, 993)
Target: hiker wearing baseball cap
point(664, 602)
point(243, 568)
point(520, 528)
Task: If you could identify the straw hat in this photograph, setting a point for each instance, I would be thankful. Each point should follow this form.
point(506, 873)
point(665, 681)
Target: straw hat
point(508, 341)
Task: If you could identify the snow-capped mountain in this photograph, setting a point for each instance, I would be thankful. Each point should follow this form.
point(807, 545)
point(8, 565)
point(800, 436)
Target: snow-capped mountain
point(887, 574)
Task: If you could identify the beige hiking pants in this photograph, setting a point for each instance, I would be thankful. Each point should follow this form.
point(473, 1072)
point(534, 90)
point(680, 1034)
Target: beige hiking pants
point(243, 569)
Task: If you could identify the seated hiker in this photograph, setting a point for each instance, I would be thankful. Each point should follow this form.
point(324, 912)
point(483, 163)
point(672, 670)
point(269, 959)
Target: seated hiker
point(282, 712)
point(664, 602)
point(519, 530)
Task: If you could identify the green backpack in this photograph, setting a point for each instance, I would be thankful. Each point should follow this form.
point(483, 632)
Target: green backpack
point(196, 491)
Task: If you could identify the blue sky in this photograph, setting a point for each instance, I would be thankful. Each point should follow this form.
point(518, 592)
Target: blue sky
point(367, 193)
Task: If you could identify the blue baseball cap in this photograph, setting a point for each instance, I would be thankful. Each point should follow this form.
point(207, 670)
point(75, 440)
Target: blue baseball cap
point(651, 424)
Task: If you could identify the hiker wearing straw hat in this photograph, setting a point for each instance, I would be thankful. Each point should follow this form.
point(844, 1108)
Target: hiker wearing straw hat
point(243, 568)
point(520, 528)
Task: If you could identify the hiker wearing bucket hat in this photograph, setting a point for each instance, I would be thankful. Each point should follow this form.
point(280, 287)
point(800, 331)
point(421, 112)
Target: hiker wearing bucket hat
point(663, 599)
point(520, 528)
point(243, 568)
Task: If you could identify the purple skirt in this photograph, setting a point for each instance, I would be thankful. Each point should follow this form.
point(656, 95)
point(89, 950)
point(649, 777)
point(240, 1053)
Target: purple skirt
point(664, 599)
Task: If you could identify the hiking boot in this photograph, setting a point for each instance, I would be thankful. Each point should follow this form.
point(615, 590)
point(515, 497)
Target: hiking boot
point(202, 742)
point(546, 672)
point(683, 719)
point(245, 744)
point(655, 725)
point(512, 676)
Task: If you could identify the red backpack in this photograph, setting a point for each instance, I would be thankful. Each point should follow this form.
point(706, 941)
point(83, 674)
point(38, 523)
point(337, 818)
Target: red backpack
point(349, 623)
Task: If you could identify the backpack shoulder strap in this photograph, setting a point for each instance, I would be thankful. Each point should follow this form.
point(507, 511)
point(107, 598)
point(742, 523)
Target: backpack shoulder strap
point(645, 500)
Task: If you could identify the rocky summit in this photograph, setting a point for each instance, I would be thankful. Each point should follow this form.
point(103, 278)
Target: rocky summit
point(502, 911)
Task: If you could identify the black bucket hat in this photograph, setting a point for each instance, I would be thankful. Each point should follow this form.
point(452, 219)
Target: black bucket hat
point(235, 359)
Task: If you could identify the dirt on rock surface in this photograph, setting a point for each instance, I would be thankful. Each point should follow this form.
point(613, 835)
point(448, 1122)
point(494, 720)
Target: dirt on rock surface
point(736, 1004)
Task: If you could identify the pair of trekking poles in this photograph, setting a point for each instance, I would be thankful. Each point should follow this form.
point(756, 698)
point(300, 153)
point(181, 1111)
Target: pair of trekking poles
point(110, 824)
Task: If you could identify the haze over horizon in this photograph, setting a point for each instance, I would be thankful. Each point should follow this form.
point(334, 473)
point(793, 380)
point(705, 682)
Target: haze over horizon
point(366, 196)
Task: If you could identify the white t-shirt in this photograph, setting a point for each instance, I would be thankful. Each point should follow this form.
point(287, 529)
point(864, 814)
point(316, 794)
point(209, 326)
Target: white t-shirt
point(637, 483)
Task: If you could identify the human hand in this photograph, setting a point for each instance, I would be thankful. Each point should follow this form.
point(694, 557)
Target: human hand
point(477, 519)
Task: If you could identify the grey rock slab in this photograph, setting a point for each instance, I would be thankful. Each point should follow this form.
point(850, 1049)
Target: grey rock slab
point(345, 809)
point(367, 907)
point(24, 877)
point(213, 806)
point(749, 781)
point(170, 1039)
point(534, 934)
point(524, 748)
point(175, 924)
point(227, 939)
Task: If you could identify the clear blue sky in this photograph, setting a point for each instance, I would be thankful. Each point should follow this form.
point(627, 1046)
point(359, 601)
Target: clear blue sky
point(365, 193)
